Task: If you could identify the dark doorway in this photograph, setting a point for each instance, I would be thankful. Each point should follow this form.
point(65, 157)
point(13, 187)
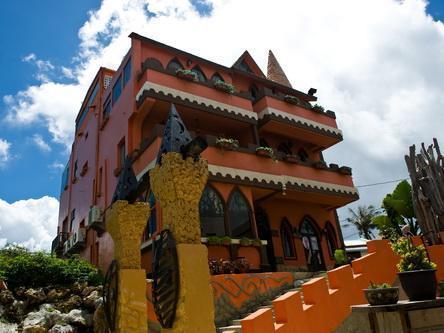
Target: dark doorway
point(264, 233)
point(312, 246)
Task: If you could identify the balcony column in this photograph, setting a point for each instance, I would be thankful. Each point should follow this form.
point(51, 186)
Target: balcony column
point(125, 222)
point(178, 185)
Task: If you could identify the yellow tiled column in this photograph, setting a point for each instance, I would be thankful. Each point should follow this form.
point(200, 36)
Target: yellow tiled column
point(125, 223)
point(178, 185)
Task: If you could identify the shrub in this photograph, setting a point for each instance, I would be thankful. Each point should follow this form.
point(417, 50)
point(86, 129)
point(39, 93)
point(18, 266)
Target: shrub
point(413, 257)
point(384, 285)
point(22, 268)
point(340, 257)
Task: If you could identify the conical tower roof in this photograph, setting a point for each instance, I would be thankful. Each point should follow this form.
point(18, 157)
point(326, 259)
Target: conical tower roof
point(275, 72)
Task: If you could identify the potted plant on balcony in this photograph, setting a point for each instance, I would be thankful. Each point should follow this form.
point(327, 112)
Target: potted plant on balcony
point(318, 108)
point(227, 143)
point(292, 99)
point(186, 74)
point(244, 241)
point(225, 240)
point(225, 87)
point(265, 151)
point(381, 294)
point(416, 271)
point(256, 242)
point(320, 165)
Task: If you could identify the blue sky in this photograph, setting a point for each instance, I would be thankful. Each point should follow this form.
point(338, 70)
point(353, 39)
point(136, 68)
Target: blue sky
point(51, 50)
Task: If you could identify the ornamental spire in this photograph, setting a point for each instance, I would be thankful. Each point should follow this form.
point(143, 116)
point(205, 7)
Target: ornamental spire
point(275, 72)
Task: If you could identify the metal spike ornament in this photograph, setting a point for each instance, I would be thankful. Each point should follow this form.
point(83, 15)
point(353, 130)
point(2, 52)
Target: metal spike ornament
point(127, 183)
point(175, 135)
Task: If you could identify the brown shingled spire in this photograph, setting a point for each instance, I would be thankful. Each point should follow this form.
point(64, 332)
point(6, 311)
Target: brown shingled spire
point(275, 72)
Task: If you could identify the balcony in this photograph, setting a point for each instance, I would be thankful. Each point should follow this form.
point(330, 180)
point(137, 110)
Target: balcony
point(58, 241)
point(160, 84)
point(297, 121)
point(76, 242)
point(311, 181)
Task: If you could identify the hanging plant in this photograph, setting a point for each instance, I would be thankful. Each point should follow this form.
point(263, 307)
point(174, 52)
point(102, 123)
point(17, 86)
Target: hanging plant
point(225, 87)
point(292, 99)
point(265, 151)
point(186, 74)
point(227, 143)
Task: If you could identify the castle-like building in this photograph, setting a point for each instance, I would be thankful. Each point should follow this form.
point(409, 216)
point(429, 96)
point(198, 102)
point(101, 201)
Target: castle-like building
point(270, 197)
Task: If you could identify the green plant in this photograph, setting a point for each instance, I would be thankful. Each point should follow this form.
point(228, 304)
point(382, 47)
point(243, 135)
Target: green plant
point(227, 142)
point(318, 108)
point(413, 258)
point(398, 208)
point(186, 74)
point(267, 150)
point(213, 240)
point(20, 267)
point(226, 87)
point(384, 285)
point(244, 241)
point(225, 240)
point(340, 257)
point(362, 219)
point(256, 242)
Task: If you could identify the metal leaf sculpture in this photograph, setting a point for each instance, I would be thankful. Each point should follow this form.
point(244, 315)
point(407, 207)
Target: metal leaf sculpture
point(110, 293)
point(165, 288)
point(127, 182)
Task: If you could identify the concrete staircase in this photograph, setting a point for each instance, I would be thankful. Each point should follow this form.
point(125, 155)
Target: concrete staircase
point(236, 326)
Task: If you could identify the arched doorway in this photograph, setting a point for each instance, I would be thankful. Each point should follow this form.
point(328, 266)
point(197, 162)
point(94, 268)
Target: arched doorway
point(264, 233)
point(312, 245)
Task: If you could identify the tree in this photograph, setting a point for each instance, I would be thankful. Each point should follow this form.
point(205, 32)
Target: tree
point(398, 208)
point(362, 219)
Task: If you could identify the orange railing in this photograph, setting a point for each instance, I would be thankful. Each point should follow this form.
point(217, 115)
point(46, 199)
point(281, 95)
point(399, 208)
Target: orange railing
point(326, 302)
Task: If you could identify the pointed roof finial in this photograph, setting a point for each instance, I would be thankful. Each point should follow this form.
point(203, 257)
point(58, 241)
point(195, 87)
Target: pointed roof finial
point(275, 72)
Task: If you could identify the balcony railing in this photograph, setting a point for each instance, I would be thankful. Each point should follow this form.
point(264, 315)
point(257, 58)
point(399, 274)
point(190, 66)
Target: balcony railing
point(58, 241)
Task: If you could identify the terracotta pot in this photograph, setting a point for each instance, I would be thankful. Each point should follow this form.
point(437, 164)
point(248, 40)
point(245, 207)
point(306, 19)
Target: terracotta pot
point(419, 285)
point(382, 296)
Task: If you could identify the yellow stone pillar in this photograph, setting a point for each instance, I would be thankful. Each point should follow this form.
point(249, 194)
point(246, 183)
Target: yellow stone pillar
point(125, 223)
point(178, 185)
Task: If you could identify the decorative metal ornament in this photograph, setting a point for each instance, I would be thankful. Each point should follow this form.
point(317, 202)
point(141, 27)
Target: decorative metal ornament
point(110, 294)
point(127, 183)
point(165, 288)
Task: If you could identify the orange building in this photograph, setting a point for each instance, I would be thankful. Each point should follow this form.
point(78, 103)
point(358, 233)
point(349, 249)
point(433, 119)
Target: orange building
point(268, 179)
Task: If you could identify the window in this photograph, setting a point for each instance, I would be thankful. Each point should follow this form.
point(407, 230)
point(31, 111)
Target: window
point(127, 72)
point(99, 183)
point(74, 175)
point(107, 108)
point(65, 178)
point(243, 66)
point(216, 77)
point(117, 89)
point(239, 215)
point(212, 213)
point(121, 154)
point(106, 81)
point(254, 92)
point(73, 216)
point(85, 110)
point(287, 239)
point(174, 65)
point(331, 239)
point(303, 156)
point(200, 75)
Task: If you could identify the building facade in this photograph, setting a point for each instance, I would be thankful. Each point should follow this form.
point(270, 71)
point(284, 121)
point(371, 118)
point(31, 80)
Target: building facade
point(268, 179)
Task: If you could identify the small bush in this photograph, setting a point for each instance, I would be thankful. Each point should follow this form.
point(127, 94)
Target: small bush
point(340, 257)
point(21, 268)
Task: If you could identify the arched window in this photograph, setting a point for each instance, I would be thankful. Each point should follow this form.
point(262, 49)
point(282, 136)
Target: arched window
point(217, 77)
point(303, 155)
point(331, 239)
point(239, 215)
point(151, 226)
point(174, 65)
point(212, 213)
point(200, 75)
point(284, 148)
point(312, 245)
point(254, 92)
point(287, 239)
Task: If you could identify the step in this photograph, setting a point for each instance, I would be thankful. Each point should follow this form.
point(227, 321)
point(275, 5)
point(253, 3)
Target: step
point(232, 328)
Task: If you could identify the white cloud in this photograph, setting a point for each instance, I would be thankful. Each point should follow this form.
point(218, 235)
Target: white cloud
point(378, 63)
point(57, 166)
point(5, 154)
point(31, 223)
point(38, 140)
